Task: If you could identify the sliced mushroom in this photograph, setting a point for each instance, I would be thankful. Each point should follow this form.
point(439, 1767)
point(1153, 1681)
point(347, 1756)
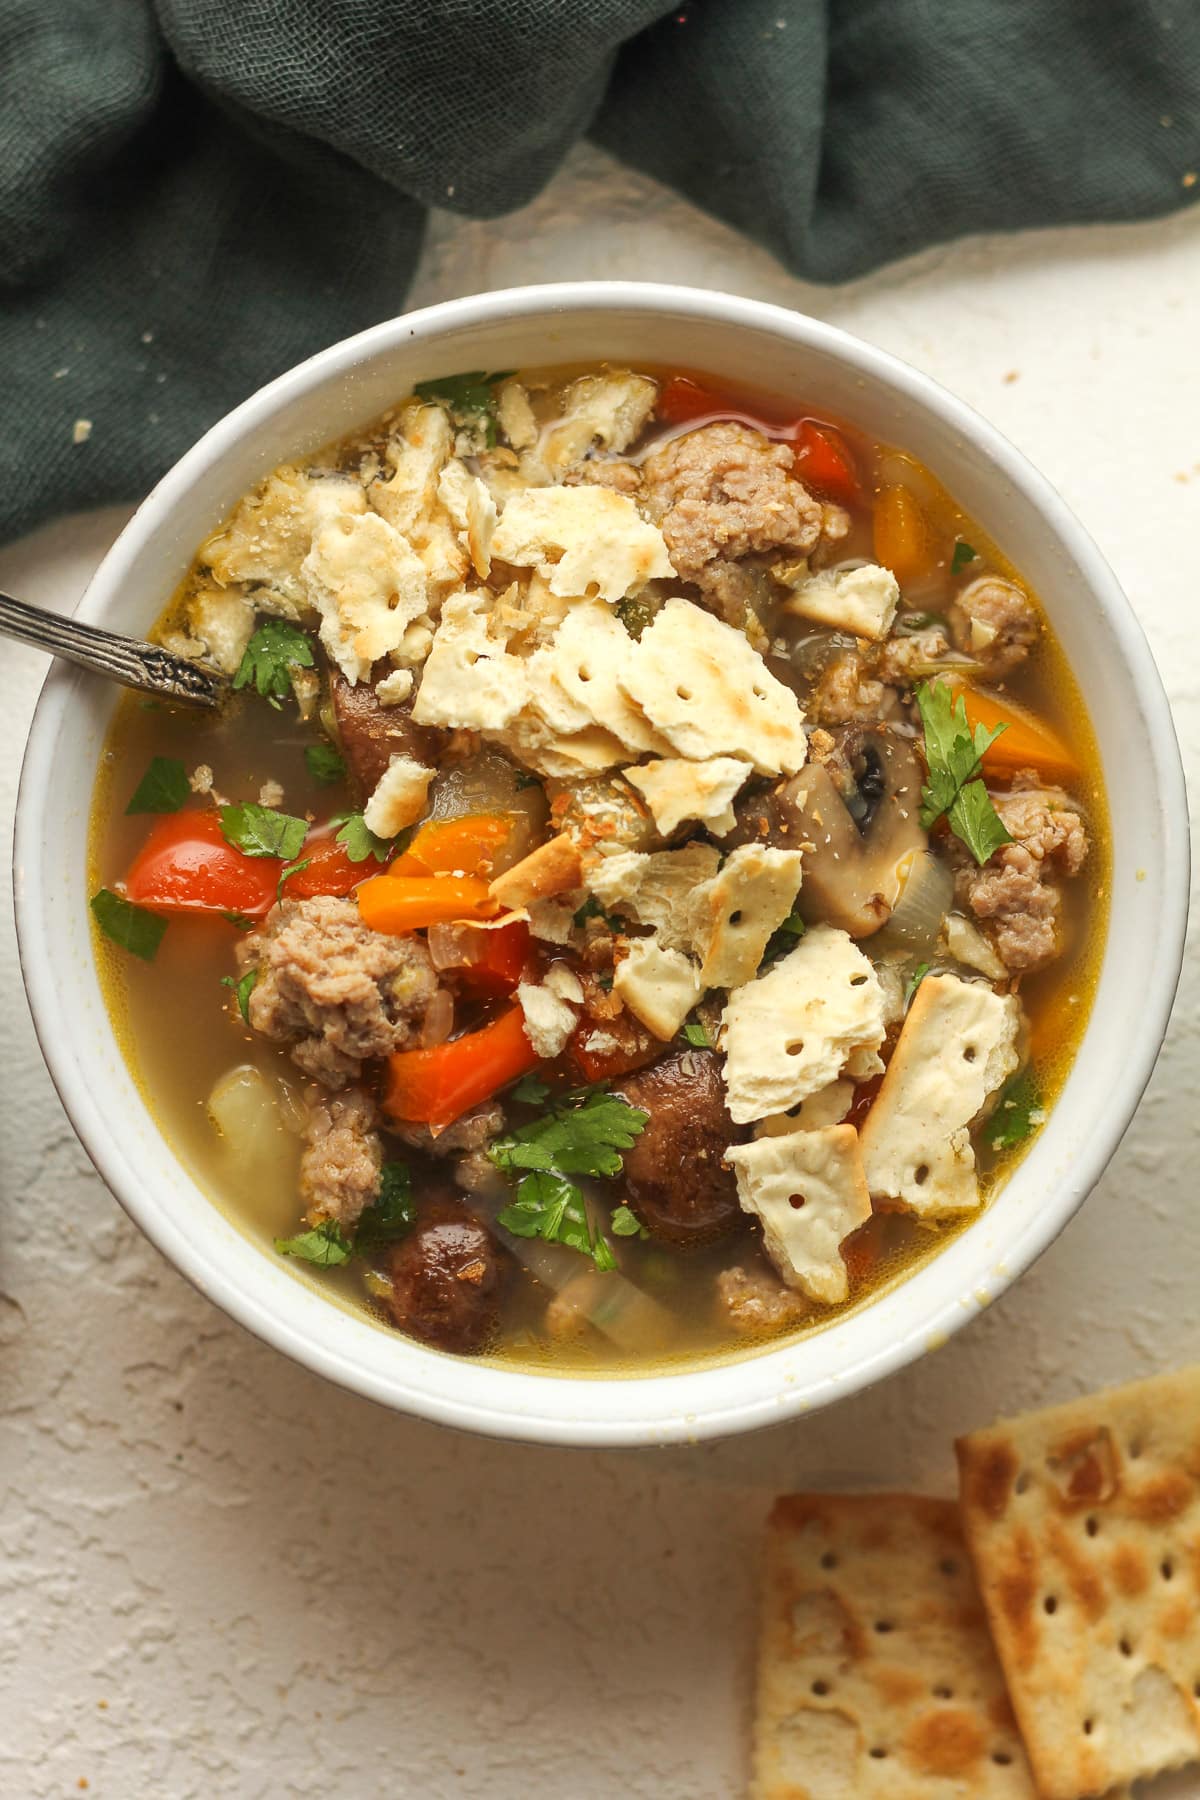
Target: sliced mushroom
point(856, 815)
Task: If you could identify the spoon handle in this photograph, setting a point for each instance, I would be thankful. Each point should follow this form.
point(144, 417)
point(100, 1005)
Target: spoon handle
point(136, 665)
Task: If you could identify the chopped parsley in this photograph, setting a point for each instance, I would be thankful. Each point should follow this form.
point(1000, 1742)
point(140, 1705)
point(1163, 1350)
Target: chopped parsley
point(914, 981)
point(964, 553)
point(785, 937)
point(531, 1090)
point(359, 841)
point(583, 1136)
point(550, 1207)
point(132, 927)
point(391, 1215)
point(163, 788)
point(627, 1224)
point(592, 909)
point(697, 1035)
point(269, 658)
point(238, 920)
point(634, 615)
point(242, 990)
point(469, 396)
point(325, 1244)
point(261, 831)
point(325, 764)
point(953, 755)
point(288, 870)
point(1019, 1111)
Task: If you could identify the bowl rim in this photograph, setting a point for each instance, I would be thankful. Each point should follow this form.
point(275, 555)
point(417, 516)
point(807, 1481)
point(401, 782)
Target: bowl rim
point(679, 1410)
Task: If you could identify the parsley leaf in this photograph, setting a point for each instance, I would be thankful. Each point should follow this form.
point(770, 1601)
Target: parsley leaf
point(326, 1245)
point(132, 927)
point(627, 1224)
point(465, 393)
point(634, 615)
point(239, 921)
point(242, 990)
point(261, 831)
point(549, 1207)
point(592, 909)
point(162, 789)
point(359, 841)
point(391, 1215)
point(292, 868)
point(785, 937)
point(964, 553)
point(953, 754)
point(269, 658)
point(914, 981)
point(325, 764)
point(585, 1139)
point(1019, 1111)
point(697, 1035)
point(531, 1090)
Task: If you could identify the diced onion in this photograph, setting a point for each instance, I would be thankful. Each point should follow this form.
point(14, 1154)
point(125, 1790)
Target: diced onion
point(454, 946)
point(926, 897)
point(244, 1107)
point(438, 1022)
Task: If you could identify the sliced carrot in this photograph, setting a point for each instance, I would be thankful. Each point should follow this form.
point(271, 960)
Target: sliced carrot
point(905, 541)
point(436, 1086)
point(399, 903)
point(466, 846)
point(1025, 743)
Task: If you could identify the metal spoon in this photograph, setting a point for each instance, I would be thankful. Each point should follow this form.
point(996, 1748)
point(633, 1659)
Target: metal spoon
point(147, 667)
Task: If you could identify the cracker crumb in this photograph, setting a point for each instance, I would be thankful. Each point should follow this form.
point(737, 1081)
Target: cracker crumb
point(81, 431)
point(271, 793)
point(1011, 376)
point(201, 779)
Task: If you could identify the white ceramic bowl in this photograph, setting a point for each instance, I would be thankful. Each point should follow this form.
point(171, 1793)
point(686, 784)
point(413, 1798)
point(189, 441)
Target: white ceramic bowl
point(763, 346)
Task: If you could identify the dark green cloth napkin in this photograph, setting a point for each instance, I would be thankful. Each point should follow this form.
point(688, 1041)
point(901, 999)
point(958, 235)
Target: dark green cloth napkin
point(196, 193)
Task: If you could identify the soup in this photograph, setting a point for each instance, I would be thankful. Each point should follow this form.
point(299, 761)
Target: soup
point(641, 892)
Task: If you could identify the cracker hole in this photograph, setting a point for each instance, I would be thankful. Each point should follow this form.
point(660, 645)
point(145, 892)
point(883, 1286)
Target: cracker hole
point(796, 1200)
point(878, 1753)
point(1126, 1649)
point(683, 693)
point(1021, 1484)
point(1091, 1525)
point(1135, 1449)
point(796, 1048)
point(1001, 1758)
point(585, 674)
point(1089, 1725)
point(1166, 1569)
point(1050, 1604)
point(820, 1689)
point(735, 918)
point(857, 980)
point(942, 1692)
point(759, 693)
point(970, 1053)
point(948, 1566)
point(1196, 1689)
point(829, 1560)
point(921, 1174)
point(884, 1625)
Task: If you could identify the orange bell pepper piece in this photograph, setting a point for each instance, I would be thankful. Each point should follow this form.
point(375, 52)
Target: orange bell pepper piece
point(436, 1086)
point(904, 539)
point(1025, 743)
point(466, 846)
point(399, 903)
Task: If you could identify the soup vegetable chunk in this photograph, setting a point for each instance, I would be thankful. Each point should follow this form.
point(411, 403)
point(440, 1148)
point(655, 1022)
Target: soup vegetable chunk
point(638, 894)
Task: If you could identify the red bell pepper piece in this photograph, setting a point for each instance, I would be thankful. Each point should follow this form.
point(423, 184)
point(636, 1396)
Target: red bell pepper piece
point(186, 866)
point(436, 1086)
point(823, 460)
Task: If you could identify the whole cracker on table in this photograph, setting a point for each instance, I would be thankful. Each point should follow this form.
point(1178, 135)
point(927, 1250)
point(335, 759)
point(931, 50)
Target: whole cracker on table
point(1084, 1526)
point(877, 1679)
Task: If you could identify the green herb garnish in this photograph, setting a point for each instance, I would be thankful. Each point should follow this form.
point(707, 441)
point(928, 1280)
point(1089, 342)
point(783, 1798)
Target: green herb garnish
point(391, 1215)
point(289, 869)
point(580, 1137)
point(242, 987)
point(132, 927)
point(359, 841)
point(697, 1035)
point(469, 396)
point(269, 658)
point(325, 764)
point(552, 1208)
point(592, 909)
point(239, 921)
point(261, 831)
point(627, 1224)
point(1019, 1111)
point(163, 788)
point(914, 981)
point(954, 754)
point(785, 937)
point(964, 553)
point(325, 1244)
point(531, 1090)
point(634, 615)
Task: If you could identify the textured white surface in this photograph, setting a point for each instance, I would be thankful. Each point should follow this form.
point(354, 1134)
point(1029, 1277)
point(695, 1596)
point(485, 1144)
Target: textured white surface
point(221, 1576)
